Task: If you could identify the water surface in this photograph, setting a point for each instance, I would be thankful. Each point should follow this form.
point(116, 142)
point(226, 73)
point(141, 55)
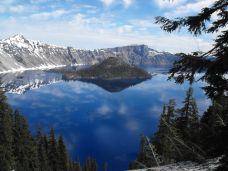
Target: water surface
point(95, 120)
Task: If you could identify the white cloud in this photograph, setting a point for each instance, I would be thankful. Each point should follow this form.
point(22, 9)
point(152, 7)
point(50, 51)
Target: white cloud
point(17, 8)
point(5, 5)
point(83, 31)
point(168, 3)
point(192, 7)
point(52, 14)
point(38, 1)
point(127, 3)
point(125, 29)
point(7, 1)
point(107, 2)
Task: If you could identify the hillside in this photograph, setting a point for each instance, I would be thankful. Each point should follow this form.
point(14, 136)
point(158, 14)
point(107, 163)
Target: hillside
point(18, 53)
point(109, 69)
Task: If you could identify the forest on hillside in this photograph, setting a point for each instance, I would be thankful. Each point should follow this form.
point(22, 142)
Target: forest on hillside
point(182, 134)
point(21, 151)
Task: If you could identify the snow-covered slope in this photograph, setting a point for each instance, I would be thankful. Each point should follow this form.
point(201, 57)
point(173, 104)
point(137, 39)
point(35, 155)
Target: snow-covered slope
point(18, 53)
point(20, 82)
point(210, 165)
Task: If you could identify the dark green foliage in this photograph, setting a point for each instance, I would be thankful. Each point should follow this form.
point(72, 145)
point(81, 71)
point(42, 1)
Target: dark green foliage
point(166, 136)
point(6, 137)
point(189, 127)
point(105, 166)
point(74, 166)
point(21, 152)
point(109, 69)
point(145, 157)
point(52, 151)
point(90, 165)
point(212, 126)
point(213, 66)
point(224, 160)
point(213, 69)
point(177, 138)
point(188, 120)
point(24, 146)
point(42, 151)
point(62, 155)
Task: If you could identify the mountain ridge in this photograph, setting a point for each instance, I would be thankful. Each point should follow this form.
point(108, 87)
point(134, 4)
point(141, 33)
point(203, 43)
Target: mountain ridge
point(18, 53)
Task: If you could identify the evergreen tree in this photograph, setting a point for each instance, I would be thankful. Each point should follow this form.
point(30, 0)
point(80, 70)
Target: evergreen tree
point(6, 137)
point(164, 138)
point(142, 157)
point(63, 156)
point(45, 141)
point(105, 166)
point(171, 112)
point(187, 124)
point(213, 65)
point(42, 151)
point(90, 165)
point(212, 124)
point(75, 166)
point(189, 120)
point(25, 152)
point(52, 151)
point(213, 71)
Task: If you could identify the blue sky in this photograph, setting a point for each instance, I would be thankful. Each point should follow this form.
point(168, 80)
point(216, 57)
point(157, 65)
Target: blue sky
point(90, 24)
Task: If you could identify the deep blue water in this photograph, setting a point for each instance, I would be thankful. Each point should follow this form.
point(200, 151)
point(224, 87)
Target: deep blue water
point(95, 122)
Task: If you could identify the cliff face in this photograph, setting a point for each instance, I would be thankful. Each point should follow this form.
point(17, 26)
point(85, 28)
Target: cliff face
point(18, 53)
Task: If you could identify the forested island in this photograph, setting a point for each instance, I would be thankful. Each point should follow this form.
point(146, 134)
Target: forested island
point(112, 68)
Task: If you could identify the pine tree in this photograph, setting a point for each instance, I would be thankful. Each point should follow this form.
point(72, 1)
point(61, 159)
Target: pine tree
point(142, 157)
point(52, 151)
point(164, 138)
point(213, 64)
point(213, 71)
point(90, 165)
point(63, 156)
point(25, 152)
point(75, 166)
point(187, 123)
point(212, 125)
point(45, 141)
point(189, 119)
point(6, 137)
point(42, 151)
point(171, 112)
point(105, 166)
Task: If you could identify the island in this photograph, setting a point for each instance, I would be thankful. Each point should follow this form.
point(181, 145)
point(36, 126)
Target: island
point(112, 68)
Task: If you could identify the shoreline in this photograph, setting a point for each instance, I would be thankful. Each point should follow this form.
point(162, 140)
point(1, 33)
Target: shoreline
point(42, 67)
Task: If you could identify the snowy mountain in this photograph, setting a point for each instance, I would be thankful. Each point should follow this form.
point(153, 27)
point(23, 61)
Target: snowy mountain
point(18, 53)
point(20, 82)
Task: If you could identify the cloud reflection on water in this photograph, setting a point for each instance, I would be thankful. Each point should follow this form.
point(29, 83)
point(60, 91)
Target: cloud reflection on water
point(98, 123)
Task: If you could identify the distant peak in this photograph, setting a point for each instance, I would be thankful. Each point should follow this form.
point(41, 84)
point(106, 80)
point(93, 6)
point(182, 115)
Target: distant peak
point(18, 37)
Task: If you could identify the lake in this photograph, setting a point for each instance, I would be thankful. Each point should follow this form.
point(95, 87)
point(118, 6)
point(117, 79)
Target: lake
point(103, 120)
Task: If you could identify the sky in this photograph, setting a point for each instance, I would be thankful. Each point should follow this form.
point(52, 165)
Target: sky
point(91, 24)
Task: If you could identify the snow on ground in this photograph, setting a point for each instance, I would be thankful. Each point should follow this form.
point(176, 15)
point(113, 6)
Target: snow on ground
point(42, 67)
point(210, 165)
